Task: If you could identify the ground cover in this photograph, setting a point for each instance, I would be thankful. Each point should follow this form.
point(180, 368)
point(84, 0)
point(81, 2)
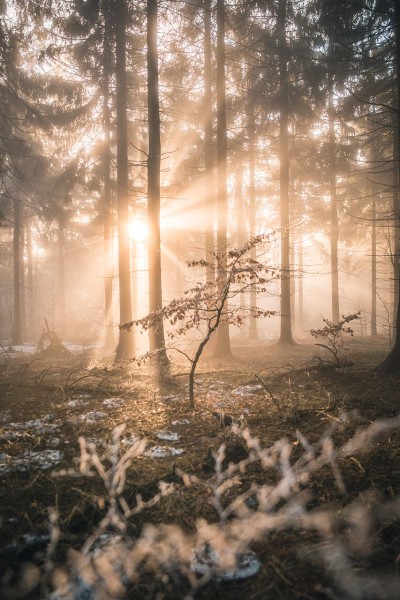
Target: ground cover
point(49, 402)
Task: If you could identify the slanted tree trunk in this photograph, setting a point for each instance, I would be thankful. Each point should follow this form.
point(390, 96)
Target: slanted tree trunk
point(157, 338)
point(286, 337)
point(223, 347)
point(125, 348)
point(334, 237)
point(16, 331)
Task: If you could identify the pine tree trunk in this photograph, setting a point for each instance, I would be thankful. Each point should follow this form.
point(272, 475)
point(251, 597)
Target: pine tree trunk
point(109, 340)
point(31, 316)
point(208, 143)
point(125, 348)
point(251, 126)
point(374, 327)
point(16, 332)
point(286, 324)
point(223, 348)
point(334, 237)
point(61, 279)
point(157, 338)
point(396, 219)
point(392, 361)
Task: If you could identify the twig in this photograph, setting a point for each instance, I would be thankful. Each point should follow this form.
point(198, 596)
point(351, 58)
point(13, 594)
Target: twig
point(274, 400)
point(26, 367)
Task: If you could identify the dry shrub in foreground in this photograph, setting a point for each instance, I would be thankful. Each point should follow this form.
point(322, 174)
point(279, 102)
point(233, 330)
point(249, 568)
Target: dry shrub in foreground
point(110, 565)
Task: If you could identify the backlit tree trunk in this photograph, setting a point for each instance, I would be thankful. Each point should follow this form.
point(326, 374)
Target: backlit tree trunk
point(16, 332)
point(334, 237)
point(157, 338)
point(286, 324)
point(109, 340)
point(251, 126)
point(209, 207)
point(223, 348)
point(125, 348)
point(61, 277)
point(392, 361)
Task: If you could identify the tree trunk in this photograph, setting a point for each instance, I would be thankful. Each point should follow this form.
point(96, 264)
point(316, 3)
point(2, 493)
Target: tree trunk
point(223, 347)
point(16, 332)
point(396, 219)
point(31, 316)
point(125, 348)
point(374, 327)
point(61, 279)
point(251, 126)
point(392, 361)
point(286, 337)
point(334, 237)
point(109, 340)
point(157, 338)
point(300, 318)
point(208, 143)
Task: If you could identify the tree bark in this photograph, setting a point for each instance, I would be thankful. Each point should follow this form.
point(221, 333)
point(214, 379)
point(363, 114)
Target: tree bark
point(392, 361)
point(286, 337)
point(157, 337)
point(61, 277)
point(208, 143)
point(251, 127)
point(374, 326)
point(16, 331)
point(334, 237)
point(125, 348)
point(109, 339)
point(223, 348)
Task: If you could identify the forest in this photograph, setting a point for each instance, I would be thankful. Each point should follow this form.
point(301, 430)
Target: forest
point(199, 299)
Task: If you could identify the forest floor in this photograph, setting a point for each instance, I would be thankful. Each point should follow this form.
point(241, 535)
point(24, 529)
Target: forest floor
point(48, 402)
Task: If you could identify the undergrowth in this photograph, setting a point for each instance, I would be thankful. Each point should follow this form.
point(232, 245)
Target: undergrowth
point(172, 561)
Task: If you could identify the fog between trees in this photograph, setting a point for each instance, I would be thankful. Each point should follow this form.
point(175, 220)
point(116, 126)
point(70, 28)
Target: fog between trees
point(137, 137)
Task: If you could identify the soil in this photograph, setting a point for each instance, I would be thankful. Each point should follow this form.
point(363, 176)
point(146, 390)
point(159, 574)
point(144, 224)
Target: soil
point(48, 402)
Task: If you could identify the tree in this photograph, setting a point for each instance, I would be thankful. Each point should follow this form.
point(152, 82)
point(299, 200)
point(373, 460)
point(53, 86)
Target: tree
point(223, 348)
point(392, 360)
point(286, 323)
point(207, 306)
point(157, 337)
point(125, 348)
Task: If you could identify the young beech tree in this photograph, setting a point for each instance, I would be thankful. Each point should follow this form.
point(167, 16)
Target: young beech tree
point(207, 306)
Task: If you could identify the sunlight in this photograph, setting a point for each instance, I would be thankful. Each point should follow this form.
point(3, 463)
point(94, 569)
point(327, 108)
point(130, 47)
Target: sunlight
point(138, 230)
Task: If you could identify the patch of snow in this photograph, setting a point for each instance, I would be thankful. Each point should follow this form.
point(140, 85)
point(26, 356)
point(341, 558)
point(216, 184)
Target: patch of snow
point(113, 402)
point(26, 349)
point(77, 402)
point(5, 415)
point(163, 452)
point(93, 416)
point(207, 560)
point(53, 442)
point(38, 425)
point(181, 422)
point(170, 436)
point(42, 460)
point(129, 441)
